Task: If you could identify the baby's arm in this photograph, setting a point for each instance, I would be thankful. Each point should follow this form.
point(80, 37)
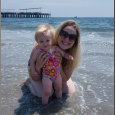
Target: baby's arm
point(32, 63)
point(64, 54)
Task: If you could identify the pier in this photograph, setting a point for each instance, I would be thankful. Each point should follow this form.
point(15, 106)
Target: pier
point(24, 13)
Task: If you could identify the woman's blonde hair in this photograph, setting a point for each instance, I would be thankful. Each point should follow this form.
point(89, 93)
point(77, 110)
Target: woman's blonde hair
point(42, 29)
point(75, 50)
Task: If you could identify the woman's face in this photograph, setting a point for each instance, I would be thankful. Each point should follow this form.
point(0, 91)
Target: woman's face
point(65, 43)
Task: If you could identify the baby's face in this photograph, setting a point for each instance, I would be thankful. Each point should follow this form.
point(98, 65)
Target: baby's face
point(45, 40)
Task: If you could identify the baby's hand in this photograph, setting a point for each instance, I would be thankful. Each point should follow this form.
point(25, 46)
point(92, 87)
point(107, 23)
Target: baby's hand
point(64, 54)
point(67, 56)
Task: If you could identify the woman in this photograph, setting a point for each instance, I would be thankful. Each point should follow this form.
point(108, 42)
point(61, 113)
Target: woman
point(67, 37)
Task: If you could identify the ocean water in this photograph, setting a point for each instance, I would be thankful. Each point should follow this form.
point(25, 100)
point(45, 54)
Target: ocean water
point(93, 79)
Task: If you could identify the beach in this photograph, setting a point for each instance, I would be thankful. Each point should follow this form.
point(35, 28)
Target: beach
point(93, 79)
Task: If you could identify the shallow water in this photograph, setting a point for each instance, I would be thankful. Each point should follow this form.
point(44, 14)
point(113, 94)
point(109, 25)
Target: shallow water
point(93, 79)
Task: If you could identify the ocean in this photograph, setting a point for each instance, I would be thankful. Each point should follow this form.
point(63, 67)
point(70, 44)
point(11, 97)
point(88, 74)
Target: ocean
point(93, 79)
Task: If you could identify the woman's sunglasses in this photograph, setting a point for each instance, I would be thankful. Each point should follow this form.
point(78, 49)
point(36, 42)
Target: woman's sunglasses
point(64, 34)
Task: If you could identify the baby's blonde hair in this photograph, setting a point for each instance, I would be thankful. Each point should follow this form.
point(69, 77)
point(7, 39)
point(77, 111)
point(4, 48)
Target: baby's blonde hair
point(75, 50)
point(42, 29)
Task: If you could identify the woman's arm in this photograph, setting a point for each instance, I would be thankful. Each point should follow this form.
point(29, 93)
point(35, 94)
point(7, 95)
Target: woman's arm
point(33, 62)
point(35, 75)
point(65, 74)
point(39, 62)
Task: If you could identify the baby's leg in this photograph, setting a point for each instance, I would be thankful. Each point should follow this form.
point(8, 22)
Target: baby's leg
point(58, 87)
point(47, 86)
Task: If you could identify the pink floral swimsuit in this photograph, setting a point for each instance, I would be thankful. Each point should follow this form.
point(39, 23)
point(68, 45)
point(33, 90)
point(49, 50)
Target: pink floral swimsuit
point(51, 68)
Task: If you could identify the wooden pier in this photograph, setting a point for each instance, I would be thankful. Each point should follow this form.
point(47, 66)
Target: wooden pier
point(24, 13)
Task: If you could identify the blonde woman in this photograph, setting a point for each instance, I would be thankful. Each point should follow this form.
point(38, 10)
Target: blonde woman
point(67, 38)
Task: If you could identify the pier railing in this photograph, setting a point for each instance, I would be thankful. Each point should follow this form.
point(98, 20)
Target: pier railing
point(25, 15)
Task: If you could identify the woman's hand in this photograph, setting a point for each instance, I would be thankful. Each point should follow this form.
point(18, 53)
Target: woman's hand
point(58, 56)
point(41, 59)
point(34, 73)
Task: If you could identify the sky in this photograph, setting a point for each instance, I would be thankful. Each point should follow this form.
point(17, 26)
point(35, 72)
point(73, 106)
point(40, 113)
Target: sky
point(64, 8)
